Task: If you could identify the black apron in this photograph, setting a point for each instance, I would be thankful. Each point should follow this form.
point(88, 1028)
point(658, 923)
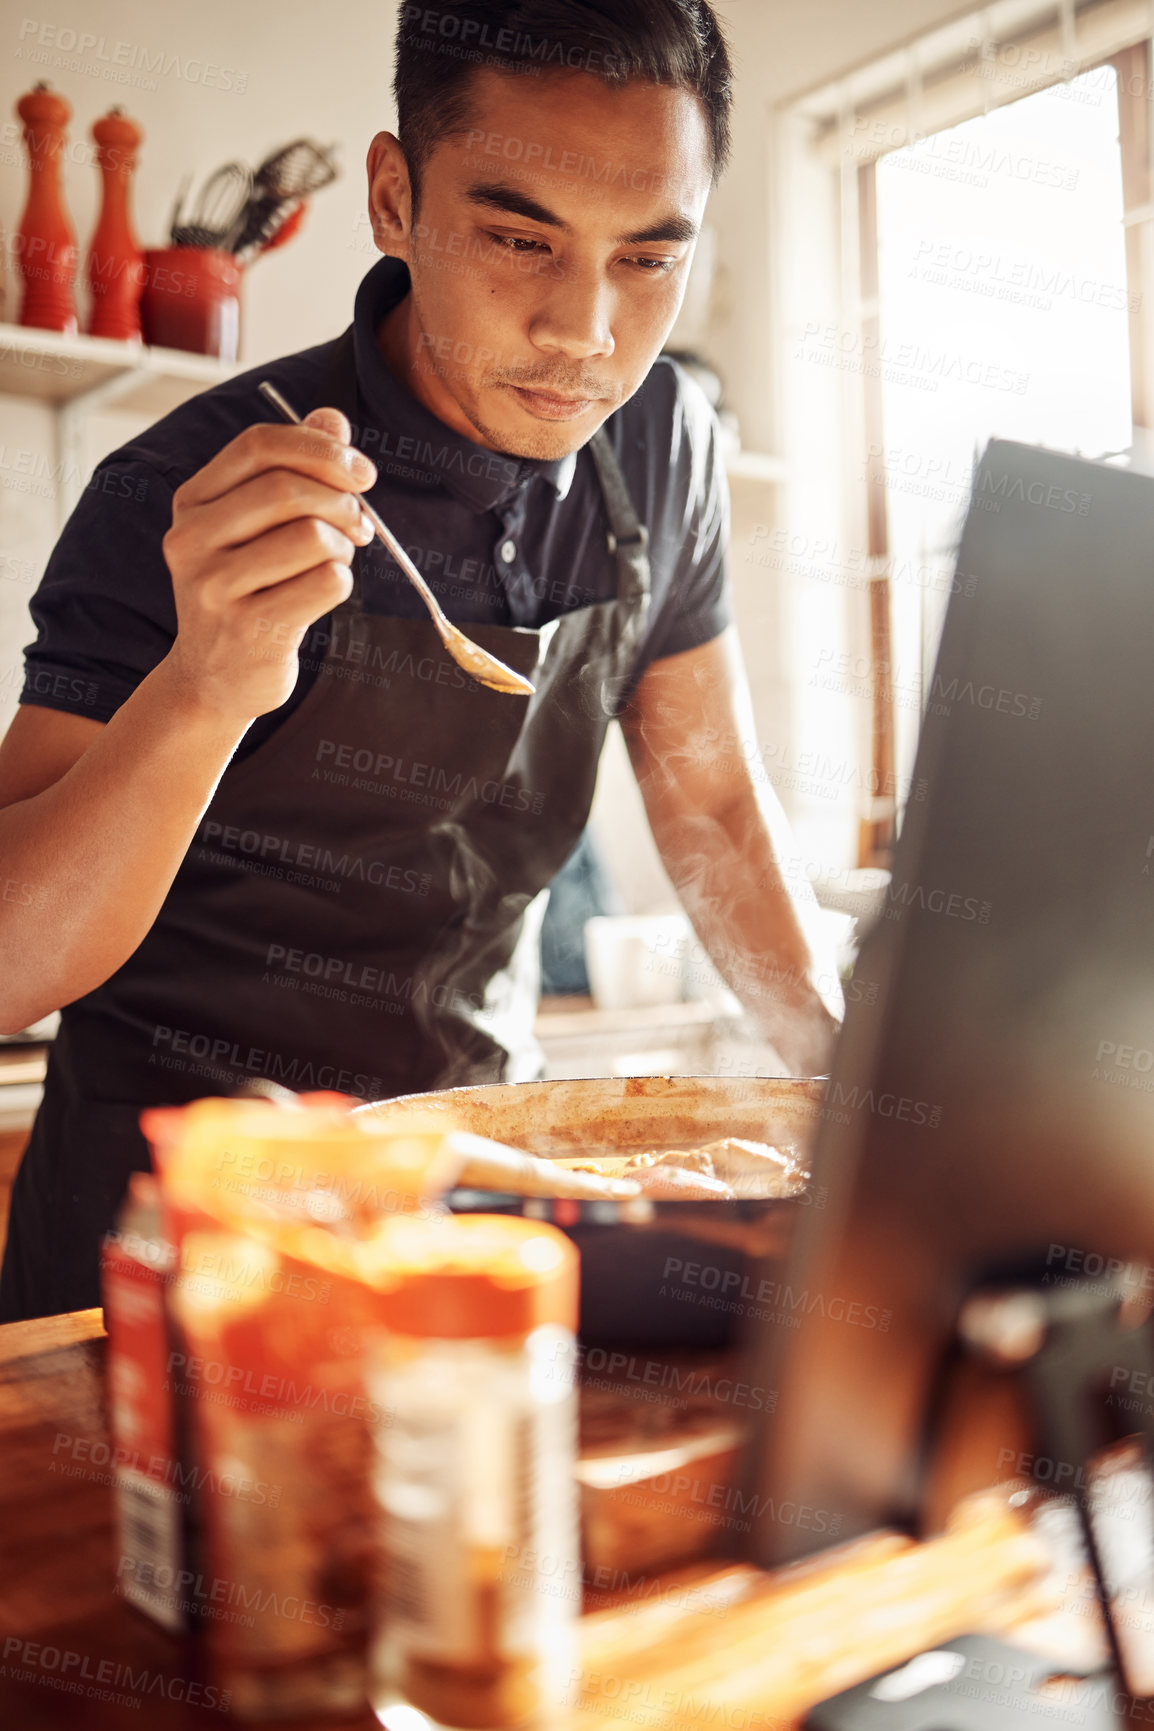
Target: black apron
point(356, 909)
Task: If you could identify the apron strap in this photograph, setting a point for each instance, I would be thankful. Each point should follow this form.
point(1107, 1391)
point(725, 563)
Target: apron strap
point(628, 537)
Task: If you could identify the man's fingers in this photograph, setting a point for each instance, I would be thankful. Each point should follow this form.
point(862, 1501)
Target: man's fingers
point(308, 450)
point(265, 502)
point(284, 553)
point(330, 421)
point(286, 611)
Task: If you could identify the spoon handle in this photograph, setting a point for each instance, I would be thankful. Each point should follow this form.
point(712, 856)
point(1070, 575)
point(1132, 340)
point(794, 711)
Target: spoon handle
point(379, 527)
point(475, 661)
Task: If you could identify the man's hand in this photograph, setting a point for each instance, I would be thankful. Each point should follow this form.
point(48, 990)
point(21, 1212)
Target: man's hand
point(260, 546)
point(806, 1037)
point(726, 845)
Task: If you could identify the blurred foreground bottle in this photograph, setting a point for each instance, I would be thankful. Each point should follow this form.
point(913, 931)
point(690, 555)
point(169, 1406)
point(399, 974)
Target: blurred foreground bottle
point(268, 1208)
point(474, 1381)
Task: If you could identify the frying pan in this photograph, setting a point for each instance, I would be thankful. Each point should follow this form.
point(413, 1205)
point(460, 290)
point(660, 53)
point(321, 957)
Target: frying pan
point(653, 1273)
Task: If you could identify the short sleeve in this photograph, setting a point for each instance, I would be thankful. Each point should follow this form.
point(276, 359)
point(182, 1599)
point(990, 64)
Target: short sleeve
point(695, 606)
point(104, 611)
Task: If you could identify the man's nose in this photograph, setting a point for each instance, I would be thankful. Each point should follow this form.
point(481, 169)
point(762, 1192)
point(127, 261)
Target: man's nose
point(574, 318)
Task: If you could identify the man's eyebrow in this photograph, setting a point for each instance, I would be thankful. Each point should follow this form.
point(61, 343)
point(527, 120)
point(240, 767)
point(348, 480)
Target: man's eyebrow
point(672, 228)
point(498, 195)
point(501, 196)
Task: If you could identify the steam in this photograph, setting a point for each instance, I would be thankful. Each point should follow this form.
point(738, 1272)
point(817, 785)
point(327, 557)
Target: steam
point(727, 864)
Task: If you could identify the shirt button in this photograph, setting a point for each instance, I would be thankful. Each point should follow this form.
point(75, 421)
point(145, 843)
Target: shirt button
point(508, 551)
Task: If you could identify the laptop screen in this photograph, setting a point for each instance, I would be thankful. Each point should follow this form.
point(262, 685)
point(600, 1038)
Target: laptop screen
point(991, 1106)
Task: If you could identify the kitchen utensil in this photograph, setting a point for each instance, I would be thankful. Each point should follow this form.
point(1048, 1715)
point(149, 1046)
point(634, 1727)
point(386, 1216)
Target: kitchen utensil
point(45, 241)
point(469, 656)
point(115, 261)
point(191, 300)
point(181, 195)
point(280, 186)
point(653, 1273)
point(287, 229)
point(490, 1165)
point(223, 200)
point(265, 224)
point(297, 170)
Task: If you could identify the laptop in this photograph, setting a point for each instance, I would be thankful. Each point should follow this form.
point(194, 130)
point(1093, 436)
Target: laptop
point(990, 1113)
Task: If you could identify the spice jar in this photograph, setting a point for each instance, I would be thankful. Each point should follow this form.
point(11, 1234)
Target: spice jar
point(473, 1377)
point(267, 1207)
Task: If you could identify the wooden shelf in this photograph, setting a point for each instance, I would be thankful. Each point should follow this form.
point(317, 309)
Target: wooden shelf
point(95, 372)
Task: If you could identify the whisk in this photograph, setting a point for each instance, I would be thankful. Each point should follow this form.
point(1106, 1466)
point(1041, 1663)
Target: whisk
point(223, 200)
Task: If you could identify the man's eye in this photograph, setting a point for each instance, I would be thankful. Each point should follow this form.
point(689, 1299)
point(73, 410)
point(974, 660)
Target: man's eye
point(653, 266)
point(517, 243)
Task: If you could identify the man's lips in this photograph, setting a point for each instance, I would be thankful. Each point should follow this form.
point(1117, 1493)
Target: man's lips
point(551, 405)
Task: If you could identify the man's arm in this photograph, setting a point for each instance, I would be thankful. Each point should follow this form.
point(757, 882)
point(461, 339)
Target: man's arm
point(95, 819)
point(723, 837)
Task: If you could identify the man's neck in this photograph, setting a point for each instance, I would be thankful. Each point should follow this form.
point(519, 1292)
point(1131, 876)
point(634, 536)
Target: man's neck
point(399, 340)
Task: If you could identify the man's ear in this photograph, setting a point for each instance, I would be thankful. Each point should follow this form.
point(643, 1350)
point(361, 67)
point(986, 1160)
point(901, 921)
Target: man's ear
point(390, 196)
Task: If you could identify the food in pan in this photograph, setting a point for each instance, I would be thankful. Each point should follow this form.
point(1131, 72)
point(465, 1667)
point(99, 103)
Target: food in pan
point(727, 1170)
point(670, 1181)
point(688, 1159)
point(755, 1169)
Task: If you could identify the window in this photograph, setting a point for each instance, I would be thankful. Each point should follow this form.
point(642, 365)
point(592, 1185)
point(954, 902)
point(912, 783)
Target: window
point(1003, 312)
point(963, 247)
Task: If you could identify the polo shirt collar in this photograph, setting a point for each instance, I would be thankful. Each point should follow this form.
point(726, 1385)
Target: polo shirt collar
point(480, 478)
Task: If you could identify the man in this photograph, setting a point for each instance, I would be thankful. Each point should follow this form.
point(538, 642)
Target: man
point(264, 826)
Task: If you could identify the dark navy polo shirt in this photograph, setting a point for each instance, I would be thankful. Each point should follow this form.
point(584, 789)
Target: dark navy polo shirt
point(502, 540)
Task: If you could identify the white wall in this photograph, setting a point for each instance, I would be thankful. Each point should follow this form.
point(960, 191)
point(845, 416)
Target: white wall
point(226, 80)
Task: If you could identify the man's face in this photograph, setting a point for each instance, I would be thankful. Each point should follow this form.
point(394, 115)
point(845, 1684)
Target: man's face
point(549, 254)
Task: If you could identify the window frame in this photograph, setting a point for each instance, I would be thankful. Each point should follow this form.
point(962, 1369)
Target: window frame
point(850, 133)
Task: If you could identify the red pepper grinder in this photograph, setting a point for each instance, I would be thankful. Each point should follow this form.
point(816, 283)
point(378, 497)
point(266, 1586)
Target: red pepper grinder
point(115, 262)
point(45, 242)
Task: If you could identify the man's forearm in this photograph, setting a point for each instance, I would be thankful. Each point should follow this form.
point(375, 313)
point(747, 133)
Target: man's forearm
point(722, 836)
point(86, 863)
point(731, 885)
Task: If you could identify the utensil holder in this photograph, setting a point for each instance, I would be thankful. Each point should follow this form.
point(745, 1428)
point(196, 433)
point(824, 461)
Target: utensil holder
point(191, 301)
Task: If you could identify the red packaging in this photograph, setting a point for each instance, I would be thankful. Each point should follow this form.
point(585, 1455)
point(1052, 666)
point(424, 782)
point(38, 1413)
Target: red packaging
point(136, 1267)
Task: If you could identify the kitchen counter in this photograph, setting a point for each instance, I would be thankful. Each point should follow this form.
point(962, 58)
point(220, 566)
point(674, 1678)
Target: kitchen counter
point(758, 1648)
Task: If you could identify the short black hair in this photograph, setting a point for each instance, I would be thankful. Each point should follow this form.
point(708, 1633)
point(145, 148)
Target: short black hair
point(441, 44)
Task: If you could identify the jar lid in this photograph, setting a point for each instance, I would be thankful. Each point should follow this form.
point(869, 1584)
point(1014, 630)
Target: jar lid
point(474, 1276)
point(249, 1159)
